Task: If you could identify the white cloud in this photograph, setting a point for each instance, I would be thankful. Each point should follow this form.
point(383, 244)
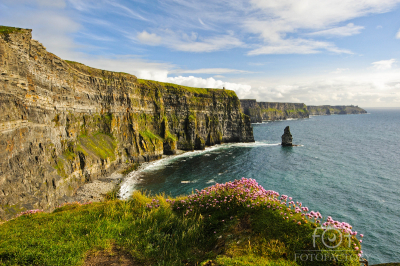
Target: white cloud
point(201, 22)
point(51, 28)
point(187, 43)
point(384, 64)
point(320, 14)
point(340, 70)
point(348, 30)
point(210, 83)
point(139, 67)
point(149, 38)
point(278, 18)
point(362, 88)
point(209, 71)
point(124, 10)
point(398, 35)
point(297, 46)
point(206, 45)
point(145, 69)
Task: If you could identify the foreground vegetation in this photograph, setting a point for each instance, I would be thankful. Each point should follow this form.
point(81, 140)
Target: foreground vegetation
point(236, 223)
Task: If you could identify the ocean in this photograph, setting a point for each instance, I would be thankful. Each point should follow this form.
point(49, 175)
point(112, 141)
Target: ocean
point(347, 167)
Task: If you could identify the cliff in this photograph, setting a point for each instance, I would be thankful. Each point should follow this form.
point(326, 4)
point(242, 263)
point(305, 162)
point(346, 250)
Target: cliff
point(270, 111)
point(63, 123)
point(263, 111)
point(338, 110)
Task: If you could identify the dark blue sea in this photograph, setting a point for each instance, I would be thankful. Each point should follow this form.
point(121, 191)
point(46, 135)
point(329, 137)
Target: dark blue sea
point(347, 167)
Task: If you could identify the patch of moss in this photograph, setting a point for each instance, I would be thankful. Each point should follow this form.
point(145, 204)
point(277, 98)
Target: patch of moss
point(8, 30)
point(170, 136)
point(152, 142)
point(60, 168)
point(102, 145)
point(69, 155)
point(192, 117)
point(149, 135)
point(12, 209)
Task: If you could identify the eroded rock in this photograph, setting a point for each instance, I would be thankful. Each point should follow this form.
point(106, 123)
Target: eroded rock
point(287, 137)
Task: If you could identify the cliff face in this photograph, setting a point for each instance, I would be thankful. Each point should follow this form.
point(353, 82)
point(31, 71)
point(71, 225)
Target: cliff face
point(331, 110)
point(262, 111)
point(270, 111)
point(63, 123)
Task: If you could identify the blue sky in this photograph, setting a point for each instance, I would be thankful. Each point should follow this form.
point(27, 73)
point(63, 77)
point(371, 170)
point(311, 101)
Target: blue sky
point(316, 52)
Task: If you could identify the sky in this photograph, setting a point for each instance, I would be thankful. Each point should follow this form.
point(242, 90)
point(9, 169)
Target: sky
point(336, 52)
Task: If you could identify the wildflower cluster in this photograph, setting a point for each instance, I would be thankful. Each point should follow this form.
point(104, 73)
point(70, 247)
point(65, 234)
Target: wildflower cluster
point(248, 194)
point(154, 204)
point(344, 228)
point(29, 212)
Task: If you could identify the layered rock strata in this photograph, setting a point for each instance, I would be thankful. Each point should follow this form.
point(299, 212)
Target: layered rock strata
point(270, 111)
point(63, 124)
point(335, 110)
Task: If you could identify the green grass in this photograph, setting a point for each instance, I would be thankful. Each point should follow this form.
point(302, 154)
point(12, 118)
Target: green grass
point(155, 232)
point(251, 260)
point(150, 135)
point(170, 137)
point(102, 145)
point(8, 30)
point(182, 89)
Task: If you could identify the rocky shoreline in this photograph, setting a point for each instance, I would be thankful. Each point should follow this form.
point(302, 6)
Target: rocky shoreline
point(96, 190)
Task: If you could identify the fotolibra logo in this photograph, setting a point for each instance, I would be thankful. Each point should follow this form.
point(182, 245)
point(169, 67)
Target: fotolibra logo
point(326, 241)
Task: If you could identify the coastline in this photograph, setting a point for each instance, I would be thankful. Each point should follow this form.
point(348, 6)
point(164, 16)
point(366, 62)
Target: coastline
point(96, 190)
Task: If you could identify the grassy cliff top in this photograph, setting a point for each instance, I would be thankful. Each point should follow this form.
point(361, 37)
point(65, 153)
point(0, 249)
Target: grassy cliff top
point(148, 83)
point(180, 88)
point(95, 72)
point(8, 30)
point(236, 223)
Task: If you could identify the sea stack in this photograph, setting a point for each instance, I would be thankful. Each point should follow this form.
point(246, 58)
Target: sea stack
point(287, 137)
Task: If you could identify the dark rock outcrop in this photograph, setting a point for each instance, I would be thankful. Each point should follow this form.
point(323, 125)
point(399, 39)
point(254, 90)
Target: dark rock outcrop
point(337, 110)
point(270, 111)
point(63, 123)
point(287, 137)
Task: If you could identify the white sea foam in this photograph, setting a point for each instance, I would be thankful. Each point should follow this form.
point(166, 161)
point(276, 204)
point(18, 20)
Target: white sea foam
point(131, 181)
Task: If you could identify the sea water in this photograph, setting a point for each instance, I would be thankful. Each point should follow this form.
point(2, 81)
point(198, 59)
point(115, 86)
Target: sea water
point(347, 167)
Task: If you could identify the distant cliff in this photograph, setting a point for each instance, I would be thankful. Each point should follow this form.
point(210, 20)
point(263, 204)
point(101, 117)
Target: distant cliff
point(263, 111)
point(63, 123)
point(270, 111)
point(335, 110)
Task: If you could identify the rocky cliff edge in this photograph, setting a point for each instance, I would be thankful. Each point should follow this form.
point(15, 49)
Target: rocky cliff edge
point(270, 111)
point(63, 123)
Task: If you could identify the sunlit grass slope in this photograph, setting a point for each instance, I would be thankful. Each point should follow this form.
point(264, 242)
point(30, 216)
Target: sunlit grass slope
point(236, 223)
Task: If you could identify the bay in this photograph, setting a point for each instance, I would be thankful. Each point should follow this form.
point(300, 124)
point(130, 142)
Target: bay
point(347, 167)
